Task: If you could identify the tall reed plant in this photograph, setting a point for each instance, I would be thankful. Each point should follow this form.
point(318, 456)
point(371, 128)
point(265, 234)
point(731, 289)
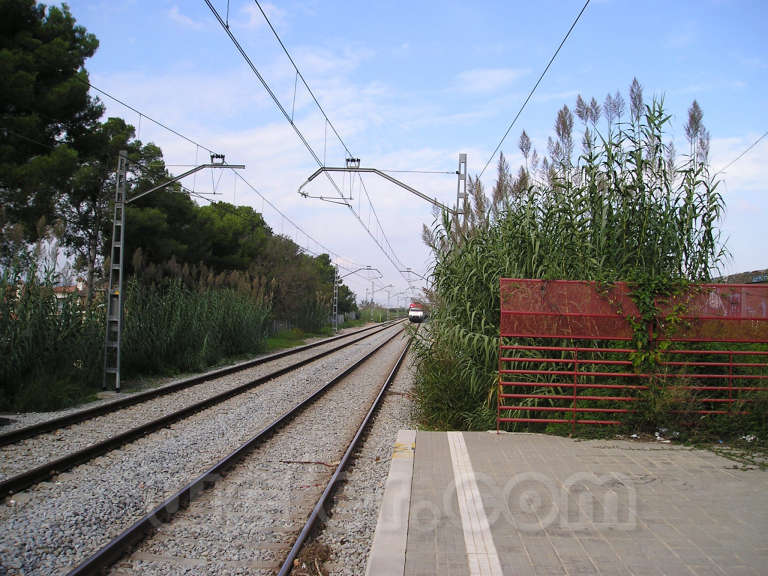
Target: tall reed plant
point(169, 327)
point(51, 348)
point(623, 212)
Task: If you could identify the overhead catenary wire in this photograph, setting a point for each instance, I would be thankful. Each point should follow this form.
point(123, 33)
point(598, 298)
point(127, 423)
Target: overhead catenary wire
point(31, 140)
point(298, 73)
point(390, 255)
point(237, 174)
point(744, 153)
point(201, 196)
point(264, 83)
point(535, 86)
point(240, 176)
point(453, 172)
point(197, 144)
point(143, 115)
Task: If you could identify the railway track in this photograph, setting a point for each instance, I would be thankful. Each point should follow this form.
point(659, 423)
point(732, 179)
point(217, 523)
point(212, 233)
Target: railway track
point(89, 413)
point(252, 511)
point(54, 524)
point(54, 446)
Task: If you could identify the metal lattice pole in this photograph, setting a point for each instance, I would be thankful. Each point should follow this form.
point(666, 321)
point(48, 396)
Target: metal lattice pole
point(335, 299)
point(115, 287)
point(114, 293)
point(462, 200)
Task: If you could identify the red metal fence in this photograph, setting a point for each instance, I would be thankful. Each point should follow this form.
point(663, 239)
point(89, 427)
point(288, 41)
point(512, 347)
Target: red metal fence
point(567, 353)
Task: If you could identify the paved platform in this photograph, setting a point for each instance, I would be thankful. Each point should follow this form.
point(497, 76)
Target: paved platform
point(477, 503)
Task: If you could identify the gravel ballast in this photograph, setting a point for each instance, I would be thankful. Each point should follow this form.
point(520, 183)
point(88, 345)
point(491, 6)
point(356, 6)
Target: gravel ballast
point(349, 529)
point(53, 525)
point(10, 421)
point(248, 522)
point(32, 452)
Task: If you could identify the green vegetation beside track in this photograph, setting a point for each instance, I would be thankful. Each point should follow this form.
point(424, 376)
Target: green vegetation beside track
point(626, 210)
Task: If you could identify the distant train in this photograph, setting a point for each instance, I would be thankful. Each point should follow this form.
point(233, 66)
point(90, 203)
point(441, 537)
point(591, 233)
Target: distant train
point(416, 313)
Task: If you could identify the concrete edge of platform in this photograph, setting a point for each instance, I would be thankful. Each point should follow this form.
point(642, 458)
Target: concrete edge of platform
point(387, 555)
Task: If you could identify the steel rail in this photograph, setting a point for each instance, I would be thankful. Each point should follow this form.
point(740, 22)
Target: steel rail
point(288, 563)
point(88, 413)
point(130, 537)
point(41, 473)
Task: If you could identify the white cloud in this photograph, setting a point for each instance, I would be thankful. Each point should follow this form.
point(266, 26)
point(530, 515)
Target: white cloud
point(487, 80)
point(253, 19)
point(175, 14)
point(564, 96)
point(317, 61)
point(748, 173)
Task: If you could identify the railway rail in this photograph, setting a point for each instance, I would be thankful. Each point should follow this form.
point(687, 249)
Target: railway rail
point(50, 424)
point(241, 466)
point(53, 525)
point(22, 467)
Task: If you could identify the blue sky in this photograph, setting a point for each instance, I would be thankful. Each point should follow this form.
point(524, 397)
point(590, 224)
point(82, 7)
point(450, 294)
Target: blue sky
point(410, 85)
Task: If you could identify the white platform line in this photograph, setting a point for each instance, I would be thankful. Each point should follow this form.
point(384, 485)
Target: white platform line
point(481, 551)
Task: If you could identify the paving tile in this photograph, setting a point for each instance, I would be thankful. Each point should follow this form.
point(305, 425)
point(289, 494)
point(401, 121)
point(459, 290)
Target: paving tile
point(683, 511)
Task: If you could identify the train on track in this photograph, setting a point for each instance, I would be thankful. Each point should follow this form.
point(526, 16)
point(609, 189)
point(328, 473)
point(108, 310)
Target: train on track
point(416, 313)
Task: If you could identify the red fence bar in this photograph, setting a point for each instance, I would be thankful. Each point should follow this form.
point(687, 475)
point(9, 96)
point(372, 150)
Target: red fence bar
point(564, 350)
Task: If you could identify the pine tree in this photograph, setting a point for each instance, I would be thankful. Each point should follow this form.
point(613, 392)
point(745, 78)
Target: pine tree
point(44, 104)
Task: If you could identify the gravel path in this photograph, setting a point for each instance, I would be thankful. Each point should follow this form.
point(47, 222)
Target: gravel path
point(53, 525)
point(348, 532)
point(32, 452)
point(247, 524)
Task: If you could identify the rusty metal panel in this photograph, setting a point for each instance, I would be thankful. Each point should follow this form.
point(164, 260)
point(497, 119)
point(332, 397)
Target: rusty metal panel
point(564, 356)
point(565, 309)
point(721, 313)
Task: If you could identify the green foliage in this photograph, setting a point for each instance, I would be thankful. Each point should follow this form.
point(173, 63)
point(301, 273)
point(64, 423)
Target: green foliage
point(85, 202)
point(171, 328)
point(44, 102)
point(347, 301)
point(624, 212)
point(51, 348)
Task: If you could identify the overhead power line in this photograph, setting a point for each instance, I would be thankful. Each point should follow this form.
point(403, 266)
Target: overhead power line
point(418, 171)
point(530, 94)
point(388, 251)
point(740, 156)
point(240, 176)
point(299, 74)
point(301, 248)
point(142, 115)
